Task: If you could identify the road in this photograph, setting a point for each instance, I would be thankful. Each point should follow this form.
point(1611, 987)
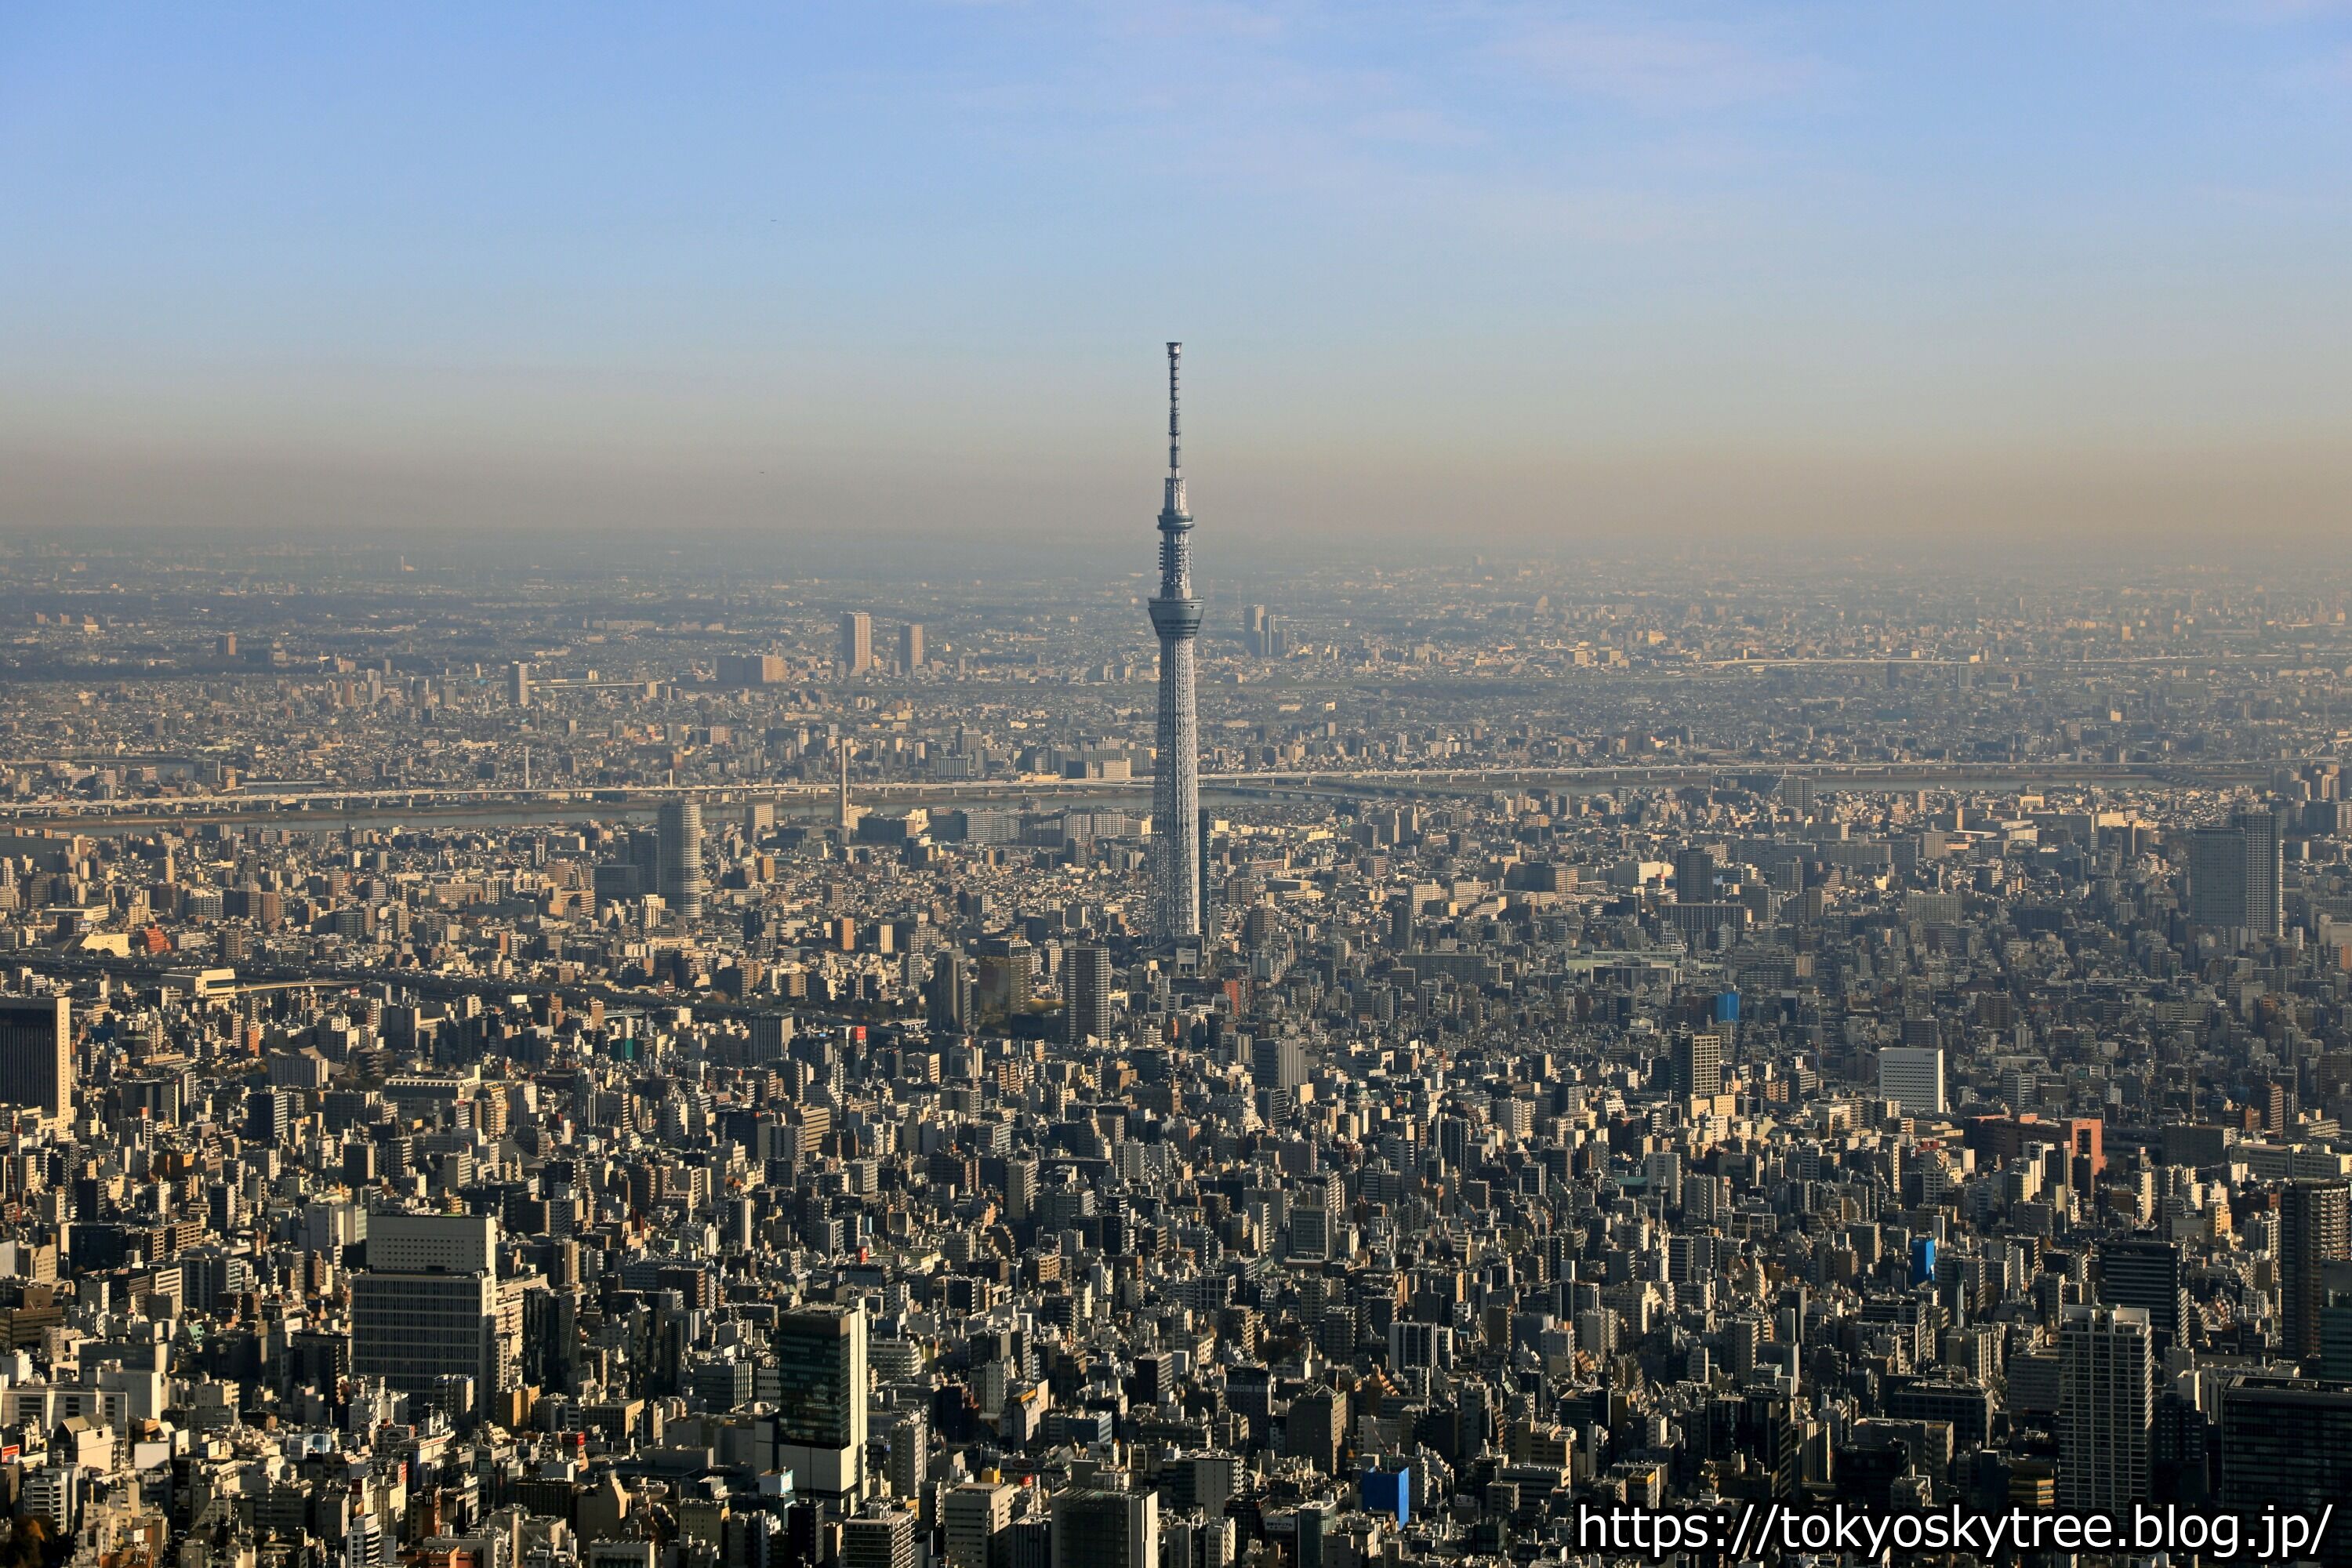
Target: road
point(327, 809)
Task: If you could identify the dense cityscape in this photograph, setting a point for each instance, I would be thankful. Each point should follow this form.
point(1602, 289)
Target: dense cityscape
point(548, 1066)
point(1176, 783)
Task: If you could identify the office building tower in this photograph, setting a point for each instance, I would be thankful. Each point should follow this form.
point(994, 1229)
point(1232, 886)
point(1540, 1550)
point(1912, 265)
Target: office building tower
point(519, 684)
point(2313, 1220)
point(1699, 1066)
point(1097, 1527)
point(36, 1055)
point(1913, 1077)
point(911, 646)
point(975, 1513)
point(1087, 1012)
point(1263, 635)
point(947, 999)
point(1176, 782)
point(645, 860)
point(2144, 1271)
point(2106, 1408)
point(679, 826)
point(856, 642)
point(821, 1417)
point(1311, 1526)
point(908, 1443)
point(1020, 1189)
point(2266, 873)
point(1694, 876)
point(2286, 1444)
point(1417, 1345)
point(1316, 1430)
point(2217, 879)
point(2236, 876)
point(426, 1311)
point(1277, 1064)
point(883, 1540)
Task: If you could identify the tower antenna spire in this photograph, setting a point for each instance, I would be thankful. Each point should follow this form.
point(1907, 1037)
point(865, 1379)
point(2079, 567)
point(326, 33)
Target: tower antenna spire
point(1175, 352)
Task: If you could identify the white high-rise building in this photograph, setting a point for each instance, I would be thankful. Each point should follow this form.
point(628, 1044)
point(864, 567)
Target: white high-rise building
point(679, 826)
point(2106, 1408)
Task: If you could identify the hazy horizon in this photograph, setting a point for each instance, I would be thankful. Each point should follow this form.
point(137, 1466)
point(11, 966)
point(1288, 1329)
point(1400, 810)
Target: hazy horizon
point(1524, 277)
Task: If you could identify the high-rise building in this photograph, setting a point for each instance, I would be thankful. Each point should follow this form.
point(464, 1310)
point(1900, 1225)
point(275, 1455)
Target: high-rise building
point(2217, 879)
point(1094, 1528)
point(519, 684)
point(1263, 633)
point(1699, 1066)
point(947, 999)
point(1913, 1076)
point(2266, 873)
point(2106, 1407)
point(1316, 1430)
point(975, 1513)
point(36, 1054)
point(1278, 1062)
point(1020, 1189)
point(1414, 1344)
point(883, 1540)
point(2144, 1271)
point(909, 1445)
point(911, 646)
point(2287, 1445)
point(845, 813)
point(426, 1308)
point(856, 642)
point(2314, 1218)
point(1694, 876)
point(821, 1417)
point(1085, 1015)
point(1176, 780)
point(2237, 875)
point(680, 828)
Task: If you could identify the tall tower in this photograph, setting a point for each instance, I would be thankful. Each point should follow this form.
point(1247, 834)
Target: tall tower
point(845, 815)
point(679, 826)
point(1176, 783)
point(37, 1068)
point(2314, 1230)
point(856, 642)
point(2106, 1407)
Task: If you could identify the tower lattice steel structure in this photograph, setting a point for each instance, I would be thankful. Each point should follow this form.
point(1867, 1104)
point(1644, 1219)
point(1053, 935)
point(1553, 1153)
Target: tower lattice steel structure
point(1176, 784)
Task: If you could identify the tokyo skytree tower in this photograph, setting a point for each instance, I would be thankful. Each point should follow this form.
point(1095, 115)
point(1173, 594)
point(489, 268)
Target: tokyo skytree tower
point(1176, 786)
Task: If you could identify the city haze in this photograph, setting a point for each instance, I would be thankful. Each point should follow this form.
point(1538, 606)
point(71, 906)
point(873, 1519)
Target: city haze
point(1524, 276)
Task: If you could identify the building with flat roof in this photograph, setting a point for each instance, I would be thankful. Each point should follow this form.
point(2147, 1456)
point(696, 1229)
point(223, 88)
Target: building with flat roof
point(36, 1055)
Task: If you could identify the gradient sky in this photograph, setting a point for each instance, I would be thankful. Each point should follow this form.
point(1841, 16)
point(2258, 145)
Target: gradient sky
point(1556, 274)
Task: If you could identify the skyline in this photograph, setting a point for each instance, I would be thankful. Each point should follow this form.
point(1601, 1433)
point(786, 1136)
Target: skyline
point(1518, 275)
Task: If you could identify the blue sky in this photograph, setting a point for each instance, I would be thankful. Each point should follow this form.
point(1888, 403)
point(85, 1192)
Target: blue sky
point(1550, 271)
